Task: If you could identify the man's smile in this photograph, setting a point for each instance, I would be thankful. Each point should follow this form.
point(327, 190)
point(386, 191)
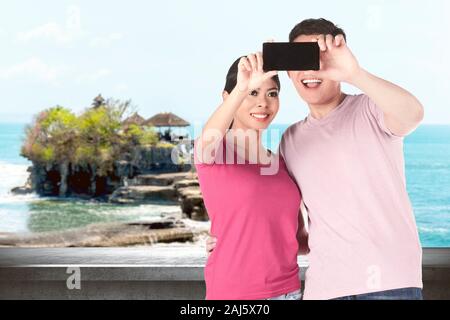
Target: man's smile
point(311, 83)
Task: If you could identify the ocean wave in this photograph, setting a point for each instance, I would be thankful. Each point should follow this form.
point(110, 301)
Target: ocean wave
point(434, 230)
point(13, 175)
point(13, 199)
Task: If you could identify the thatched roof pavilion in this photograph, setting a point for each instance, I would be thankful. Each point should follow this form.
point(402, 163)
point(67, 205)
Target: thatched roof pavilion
point(135, 118)
point(166, 119)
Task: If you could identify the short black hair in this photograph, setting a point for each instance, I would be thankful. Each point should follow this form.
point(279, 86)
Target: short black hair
point(315, 26)
point(231, 79)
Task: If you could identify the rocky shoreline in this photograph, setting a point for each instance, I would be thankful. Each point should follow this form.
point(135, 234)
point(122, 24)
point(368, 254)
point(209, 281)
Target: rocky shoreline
point(166, 230)
point(103, 155)
point(178, 187)
point(172, 188)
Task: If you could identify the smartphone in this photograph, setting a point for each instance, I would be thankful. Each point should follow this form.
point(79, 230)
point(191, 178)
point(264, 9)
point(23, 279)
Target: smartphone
point(291, 56)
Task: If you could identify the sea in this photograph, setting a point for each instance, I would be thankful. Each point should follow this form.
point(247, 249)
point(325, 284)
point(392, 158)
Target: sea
point(427, 160)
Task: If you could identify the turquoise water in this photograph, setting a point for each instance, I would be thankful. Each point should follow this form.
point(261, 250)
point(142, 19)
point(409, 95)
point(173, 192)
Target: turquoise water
point(427, 157)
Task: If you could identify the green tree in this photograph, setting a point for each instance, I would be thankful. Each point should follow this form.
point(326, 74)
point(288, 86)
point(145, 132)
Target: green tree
point(94, 140)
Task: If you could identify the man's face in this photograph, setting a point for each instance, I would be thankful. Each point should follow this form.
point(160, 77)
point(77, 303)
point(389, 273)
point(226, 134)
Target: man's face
point(313, 90)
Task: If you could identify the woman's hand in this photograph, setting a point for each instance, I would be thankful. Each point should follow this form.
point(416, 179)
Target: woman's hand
point(250, 72)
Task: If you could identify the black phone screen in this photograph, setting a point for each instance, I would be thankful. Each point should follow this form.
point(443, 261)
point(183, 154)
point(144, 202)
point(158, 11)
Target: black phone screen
point(291, 56)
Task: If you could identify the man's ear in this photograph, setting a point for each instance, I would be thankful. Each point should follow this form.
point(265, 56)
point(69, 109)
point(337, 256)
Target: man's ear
point(225, 95)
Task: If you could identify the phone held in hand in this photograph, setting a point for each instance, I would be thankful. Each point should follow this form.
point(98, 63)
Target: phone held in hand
point(291, 56)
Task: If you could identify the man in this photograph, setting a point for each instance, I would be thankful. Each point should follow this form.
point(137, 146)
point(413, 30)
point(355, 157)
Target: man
point(347, 159)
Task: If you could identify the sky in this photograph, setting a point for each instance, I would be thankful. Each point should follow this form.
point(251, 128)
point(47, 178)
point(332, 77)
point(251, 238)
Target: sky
point(174, 55)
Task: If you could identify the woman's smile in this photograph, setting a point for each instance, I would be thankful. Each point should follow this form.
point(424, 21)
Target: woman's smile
point(261, 117)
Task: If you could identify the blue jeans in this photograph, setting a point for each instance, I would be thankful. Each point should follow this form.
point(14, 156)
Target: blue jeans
point(294, 295)
point(397, 294)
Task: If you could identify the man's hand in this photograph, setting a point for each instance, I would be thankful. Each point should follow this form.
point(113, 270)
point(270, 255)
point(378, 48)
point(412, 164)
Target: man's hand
point(402, 111)
point(210, 244)
point(337, 61)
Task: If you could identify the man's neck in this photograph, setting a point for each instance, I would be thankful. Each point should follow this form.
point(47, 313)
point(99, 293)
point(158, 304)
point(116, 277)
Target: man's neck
point(321, 111)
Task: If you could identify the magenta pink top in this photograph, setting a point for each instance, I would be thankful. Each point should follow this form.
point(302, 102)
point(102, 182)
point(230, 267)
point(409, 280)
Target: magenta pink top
point(255, 219)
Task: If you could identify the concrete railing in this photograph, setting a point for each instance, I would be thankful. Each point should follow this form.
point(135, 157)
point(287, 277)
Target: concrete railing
point(141, 273)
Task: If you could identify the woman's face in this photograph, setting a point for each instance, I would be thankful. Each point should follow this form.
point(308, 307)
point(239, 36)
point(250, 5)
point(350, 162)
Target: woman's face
point(259, 108)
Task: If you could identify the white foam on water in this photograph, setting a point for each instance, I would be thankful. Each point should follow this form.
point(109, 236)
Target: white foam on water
point(10, 198)
point(13, 217)
point(143, 210)
point(434, 230)
point(14, 209)
point(13, 175)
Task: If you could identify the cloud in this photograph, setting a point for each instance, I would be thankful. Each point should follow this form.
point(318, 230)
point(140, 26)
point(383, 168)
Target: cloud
point(32, 68)
point(105, 41)
point(50, 31)
point(61, 34)
point(94, 76)
point(36, 69)
point(64, 34)
point(121, 87)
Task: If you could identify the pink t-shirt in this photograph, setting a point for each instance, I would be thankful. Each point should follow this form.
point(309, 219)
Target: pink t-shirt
point(362, 233)
point(254, 218)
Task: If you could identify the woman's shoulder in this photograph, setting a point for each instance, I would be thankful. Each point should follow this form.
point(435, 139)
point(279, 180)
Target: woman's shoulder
point(207, 157)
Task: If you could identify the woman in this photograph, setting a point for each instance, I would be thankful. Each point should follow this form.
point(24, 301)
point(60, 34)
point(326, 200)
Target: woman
point(254, 214)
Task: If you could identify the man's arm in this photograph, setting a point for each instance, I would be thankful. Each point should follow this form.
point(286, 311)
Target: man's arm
point(402, 111)
point(302, 235)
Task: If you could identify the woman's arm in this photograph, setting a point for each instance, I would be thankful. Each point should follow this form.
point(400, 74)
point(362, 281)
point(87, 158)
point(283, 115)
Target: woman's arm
point(217, 125)
point(250, 75)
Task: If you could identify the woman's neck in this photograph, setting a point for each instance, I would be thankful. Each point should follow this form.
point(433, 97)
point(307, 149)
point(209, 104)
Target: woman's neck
point(249, 145)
